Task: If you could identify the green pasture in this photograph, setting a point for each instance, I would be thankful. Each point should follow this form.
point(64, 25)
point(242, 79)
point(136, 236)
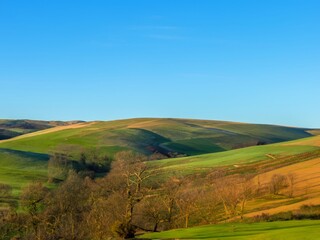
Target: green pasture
point(18, 168)
point(285, 230)
point(183, 136)
point(232, 157)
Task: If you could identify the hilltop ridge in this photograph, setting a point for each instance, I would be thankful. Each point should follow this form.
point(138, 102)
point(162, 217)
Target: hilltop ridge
point(167, 136)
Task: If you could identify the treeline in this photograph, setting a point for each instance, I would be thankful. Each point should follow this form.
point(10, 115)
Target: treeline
point(130, 199)
point(87, 164)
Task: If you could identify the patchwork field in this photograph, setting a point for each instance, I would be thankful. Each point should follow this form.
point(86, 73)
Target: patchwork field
point(299, 159)
point(192, 149)
point(23, 158)
point(170, 137)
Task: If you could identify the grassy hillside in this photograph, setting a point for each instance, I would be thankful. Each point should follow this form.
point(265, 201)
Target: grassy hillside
point(167, 136)
point(18, 168)
point(300, 158)
point(291, 230)
point(239, 157)
point(14, 128)
point(306, 188)
point(24, 158)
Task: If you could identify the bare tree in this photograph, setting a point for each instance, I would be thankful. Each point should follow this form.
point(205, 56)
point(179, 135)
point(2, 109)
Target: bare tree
point(152, 213)
point(233, 193)
point(292, 180)
point(58, 166)
point(277, 183)
point(130, 172)
point(33, 201)
point(187, 203)
point(247, 191)
point(66, 207)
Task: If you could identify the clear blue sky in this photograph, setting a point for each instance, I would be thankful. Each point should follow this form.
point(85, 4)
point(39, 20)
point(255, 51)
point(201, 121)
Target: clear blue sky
point(237, 60)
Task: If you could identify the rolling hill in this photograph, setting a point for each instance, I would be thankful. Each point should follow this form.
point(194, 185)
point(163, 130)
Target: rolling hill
point(14, 128)
point(299, 157)
point(24, 158)
point(170, 137)
point(244, 156)
point(236, 148)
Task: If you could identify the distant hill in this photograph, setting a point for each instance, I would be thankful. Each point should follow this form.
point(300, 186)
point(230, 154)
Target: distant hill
point(169, 137)
point(25, 158)
point(13, 128)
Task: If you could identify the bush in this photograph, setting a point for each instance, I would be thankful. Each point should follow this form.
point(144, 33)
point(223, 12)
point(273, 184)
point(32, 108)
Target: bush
point(5, 190)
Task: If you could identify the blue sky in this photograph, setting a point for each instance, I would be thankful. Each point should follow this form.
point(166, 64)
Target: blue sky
point(237, 60)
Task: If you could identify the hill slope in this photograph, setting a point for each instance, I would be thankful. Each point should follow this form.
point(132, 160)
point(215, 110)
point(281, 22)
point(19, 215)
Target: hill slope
point(301, 158)
point(24, 158)
point(18, 168)
point(238, 157)
point(13, 128)
point(170, 137)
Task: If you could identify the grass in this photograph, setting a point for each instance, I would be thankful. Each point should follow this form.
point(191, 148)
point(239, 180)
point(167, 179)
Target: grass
point(233, 157)
point(191, 137)
point(18, 168)
point(25, 159)
point(13, 128)
point(288, 230)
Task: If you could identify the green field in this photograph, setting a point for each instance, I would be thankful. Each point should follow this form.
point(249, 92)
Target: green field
point(175, 136)
point(19, 168)
point(234, 158)
point(25, 159)
point(209, 144)
point(288, 230)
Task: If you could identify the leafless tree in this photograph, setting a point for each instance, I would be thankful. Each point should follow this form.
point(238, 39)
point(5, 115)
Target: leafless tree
point(277, 183)
point(292, 180)
point(130, 174)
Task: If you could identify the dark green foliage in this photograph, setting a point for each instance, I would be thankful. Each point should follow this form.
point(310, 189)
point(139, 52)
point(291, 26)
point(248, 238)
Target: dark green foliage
point(88, 164)
point(6, 134)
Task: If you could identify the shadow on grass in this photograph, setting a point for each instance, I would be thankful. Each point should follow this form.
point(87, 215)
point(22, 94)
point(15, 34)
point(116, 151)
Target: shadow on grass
point(38, 156)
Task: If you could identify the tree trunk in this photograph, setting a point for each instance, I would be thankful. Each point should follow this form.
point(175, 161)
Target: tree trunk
point(155, 227)
point(187, 220)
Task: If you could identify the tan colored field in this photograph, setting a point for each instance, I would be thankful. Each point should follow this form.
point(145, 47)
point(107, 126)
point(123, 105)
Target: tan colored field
point(306, 187)
point(149, 123)
point(311, 141)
